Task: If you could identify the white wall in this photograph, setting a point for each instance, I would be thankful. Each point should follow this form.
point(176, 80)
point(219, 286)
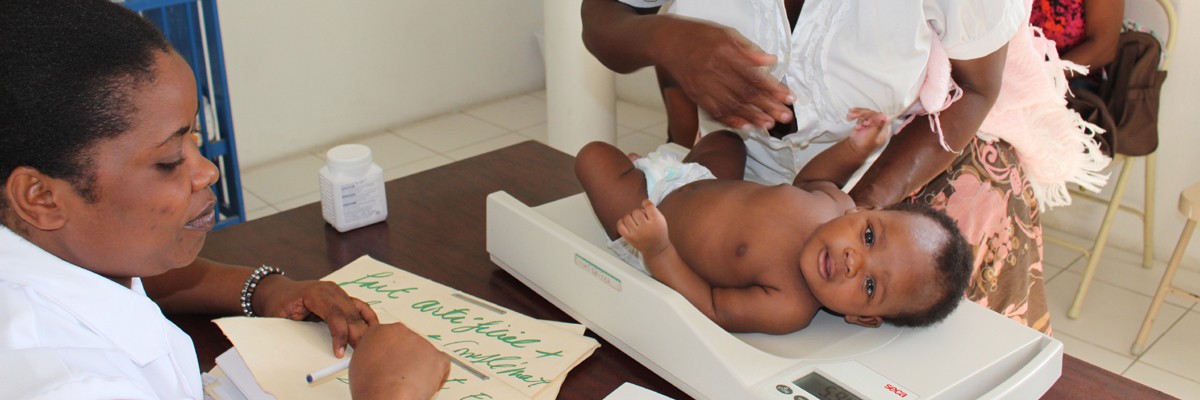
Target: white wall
point(307, 73)
point(1178, 153)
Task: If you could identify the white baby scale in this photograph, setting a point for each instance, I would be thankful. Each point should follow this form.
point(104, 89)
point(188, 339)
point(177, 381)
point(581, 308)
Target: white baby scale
point(559, 250)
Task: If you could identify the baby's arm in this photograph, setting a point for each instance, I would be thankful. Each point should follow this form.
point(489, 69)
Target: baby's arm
point(747, 309)
point(839, 162)
point(646, 229)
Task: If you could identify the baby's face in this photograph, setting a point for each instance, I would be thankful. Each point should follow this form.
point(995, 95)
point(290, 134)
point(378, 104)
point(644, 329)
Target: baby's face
point(873, 263)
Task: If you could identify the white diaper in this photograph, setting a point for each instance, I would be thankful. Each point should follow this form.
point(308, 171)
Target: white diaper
point(664, 173)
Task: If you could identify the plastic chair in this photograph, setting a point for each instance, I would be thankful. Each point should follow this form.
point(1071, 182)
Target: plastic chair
point(1189, 206)
point(1146, 214)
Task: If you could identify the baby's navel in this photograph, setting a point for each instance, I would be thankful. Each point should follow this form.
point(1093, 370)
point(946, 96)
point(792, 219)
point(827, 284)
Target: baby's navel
point(741, 249)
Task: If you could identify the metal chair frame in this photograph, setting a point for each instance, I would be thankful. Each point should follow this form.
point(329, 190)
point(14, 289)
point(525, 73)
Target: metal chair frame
point(1146, 214)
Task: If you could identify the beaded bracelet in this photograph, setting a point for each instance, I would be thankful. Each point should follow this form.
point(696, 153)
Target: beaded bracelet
point(252, 283)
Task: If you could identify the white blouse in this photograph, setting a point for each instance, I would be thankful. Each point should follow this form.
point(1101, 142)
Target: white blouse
point(853, 53)
point(68, 333)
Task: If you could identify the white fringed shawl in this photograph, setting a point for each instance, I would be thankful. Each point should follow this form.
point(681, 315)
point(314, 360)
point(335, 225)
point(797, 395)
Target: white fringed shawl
point(1055, 145)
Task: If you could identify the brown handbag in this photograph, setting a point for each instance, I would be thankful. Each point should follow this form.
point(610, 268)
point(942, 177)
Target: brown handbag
point(1131, 93)
point(1093, 109)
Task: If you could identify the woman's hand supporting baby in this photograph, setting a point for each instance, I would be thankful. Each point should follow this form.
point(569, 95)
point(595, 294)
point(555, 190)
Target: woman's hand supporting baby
point(715, 66)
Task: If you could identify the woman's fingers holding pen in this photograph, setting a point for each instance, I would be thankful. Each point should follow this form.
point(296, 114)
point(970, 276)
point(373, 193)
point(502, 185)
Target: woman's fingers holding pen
point(348, 318)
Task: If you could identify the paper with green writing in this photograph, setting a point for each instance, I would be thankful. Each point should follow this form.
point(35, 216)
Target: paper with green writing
point(499, 354)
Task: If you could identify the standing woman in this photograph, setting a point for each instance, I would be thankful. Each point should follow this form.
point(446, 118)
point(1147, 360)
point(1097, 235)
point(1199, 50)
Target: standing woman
point(937, 64)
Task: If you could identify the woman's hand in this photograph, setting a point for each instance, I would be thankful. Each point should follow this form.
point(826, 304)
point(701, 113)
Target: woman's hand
point(716, 67)
point(393, 362)
point(723, 73)
point(347, 317)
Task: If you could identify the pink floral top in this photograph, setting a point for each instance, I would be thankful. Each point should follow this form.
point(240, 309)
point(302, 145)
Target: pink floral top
point(1060, 20)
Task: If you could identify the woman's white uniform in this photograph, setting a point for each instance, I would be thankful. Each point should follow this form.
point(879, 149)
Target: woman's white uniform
point(68, 333)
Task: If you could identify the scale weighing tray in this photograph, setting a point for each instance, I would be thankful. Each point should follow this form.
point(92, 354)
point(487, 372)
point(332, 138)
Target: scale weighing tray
point(559, 250)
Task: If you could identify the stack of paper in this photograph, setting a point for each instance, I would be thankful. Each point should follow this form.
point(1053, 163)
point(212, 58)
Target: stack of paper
point(496, 353)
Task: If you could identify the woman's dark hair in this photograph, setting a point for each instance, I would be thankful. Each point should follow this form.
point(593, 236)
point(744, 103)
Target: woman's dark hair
point(66, 71)
point(952, 272)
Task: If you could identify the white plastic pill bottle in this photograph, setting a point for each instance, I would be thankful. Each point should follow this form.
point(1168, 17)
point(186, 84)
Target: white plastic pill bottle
point(352, 192)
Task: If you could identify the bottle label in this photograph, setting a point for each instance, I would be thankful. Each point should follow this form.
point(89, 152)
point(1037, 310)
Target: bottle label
point(351, 203)
point(362, 200)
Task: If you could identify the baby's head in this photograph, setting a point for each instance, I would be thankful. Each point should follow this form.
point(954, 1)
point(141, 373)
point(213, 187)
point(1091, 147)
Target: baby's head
point(906, 265)
point(96, 158)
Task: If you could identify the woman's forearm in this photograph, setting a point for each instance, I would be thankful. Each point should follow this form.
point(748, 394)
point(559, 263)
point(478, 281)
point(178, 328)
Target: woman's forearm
point(617, 35)
point(911, 159)
point(204, 286)
point(915, 156)
point(1102, 24)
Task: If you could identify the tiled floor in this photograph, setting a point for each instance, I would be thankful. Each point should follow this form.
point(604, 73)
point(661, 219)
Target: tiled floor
point(1115, 306)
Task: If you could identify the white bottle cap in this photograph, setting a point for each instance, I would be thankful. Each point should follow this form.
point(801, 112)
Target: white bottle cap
point(350, 159)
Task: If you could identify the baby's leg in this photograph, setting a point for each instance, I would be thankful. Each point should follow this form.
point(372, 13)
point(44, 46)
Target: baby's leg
point(722, 152)
point(683, 120)
point(613, 186)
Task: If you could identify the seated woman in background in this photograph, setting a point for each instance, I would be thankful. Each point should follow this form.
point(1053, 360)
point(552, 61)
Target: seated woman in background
point(1084, 31)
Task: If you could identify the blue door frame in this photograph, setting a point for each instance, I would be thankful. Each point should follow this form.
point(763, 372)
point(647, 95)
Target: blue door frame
point(193, 28)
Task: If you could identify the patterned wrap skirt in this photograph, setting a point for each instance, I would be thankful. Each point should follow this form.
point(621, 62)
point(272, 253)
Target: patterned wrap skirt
point(988, 193)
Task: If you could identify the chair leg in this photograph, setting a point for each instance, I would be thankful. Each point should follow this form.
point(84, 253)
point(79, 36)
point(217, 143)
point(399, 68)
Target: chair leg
point(1148, 215)
point(1101, 238)
point(1164, 287)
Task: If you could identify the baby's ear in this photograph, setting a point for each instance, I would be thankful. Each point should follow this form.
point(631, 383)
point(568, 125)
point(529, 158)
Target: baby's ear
point(861, 208)
point(870, 322)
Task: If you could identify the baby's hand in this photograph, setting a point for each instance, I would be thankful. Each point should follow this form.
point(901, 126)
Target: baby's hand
point(871, 132)
point(645, 229)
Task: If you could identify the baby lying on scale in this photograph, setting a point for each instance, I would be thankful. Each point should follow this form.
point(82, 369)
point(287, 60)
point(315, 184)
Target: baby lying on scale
point(757, 258)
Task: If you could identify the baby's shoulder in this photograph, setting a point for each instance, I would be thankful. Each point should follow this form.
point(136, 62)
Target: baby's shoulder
point(815, 196)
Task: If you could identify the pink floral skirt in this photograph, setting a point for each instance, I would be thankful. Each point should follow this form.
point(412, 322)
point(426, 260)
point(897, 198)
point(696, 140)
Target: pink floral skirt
point(987, 192)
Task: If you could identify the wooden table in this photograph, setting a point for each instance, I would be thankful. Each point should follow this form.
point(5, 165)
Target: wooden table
point(435, 229)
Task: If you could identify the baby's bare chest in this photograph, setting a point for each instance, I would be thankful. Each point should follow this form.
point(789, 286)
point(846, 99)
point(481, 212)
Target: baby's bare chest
point(738, 235)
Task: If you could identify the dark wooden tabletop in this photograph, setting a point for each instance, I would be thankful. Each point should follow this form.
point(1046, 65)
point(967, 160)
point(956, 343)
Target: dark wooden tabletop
point(435, 229)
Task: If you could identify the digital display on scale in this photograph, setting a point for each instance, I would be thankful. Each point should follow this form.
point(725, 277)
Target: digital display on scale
point(823, 388)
